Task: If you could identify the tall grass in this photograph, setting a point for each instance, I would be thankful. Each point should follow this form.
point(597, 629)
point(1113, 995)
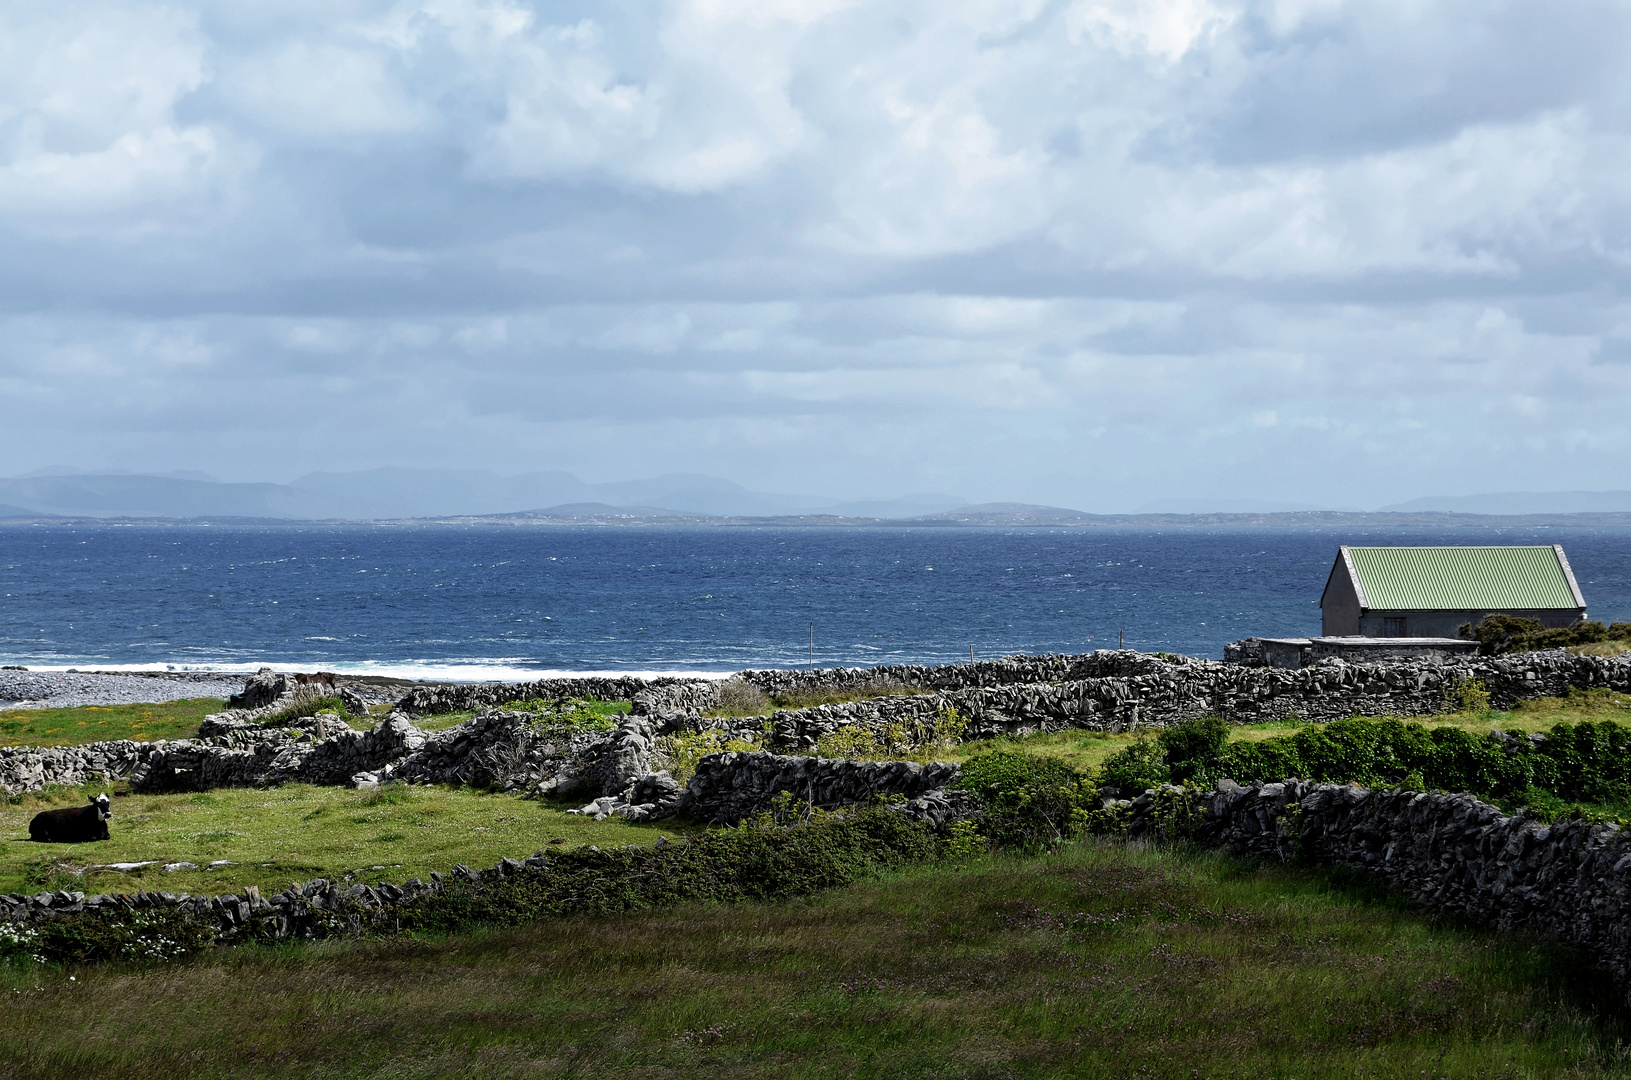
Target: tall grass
point(1094, 961)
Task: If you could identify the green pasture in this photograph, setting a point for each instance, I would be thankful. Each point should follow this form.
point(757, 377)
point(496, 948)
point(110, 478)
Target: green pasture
point(293, 833)
point(298, 832)
point(101, 723)
point(1097, 960)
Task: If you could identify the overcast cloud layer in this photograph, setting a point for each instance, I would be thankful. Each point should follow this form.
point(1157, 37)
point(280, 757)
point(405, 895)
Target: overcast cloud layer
point(1085, 253)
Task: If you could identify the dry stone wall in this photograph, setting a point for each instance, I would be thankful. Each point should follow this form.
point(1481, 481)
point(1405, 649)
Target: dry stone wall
point(437, 699)
point(1152, 691)
point(729, 787)
point(1113, 691)
point(1570, 879)
point(313, 909)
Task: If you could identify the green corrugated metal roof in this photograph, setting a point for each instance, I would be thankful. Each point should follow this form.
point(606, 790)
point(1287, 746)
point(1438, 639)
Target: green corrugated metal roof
point(1462, 578)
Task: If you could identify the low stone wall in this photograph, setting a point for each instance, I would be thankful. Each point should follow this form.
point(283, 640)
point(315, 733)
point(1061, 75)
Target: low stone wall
point(726, 789)
point(1569, 879)
point(1128, 691)
point(1166, 692)
point(313, 909)
point(432, 700)
point(729, 787)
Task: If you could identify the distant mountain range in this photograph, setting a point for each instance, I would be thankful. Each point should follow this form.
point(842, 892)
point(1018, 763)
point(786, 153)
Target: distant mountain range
point(1523, 502)
point(394, 494)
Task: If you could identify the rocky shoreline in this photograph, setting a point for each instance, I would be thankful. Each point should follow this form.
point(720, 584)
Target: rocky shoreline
point(24, 689)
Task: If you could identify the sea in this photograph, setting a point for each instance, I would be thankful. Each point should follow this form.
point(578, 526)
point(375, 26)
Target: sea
point(486, 601)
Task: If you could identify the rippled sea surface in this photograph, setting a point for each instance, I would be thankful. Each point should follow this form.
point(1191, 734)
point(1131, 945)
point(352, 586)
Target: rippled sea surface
point(494, 601)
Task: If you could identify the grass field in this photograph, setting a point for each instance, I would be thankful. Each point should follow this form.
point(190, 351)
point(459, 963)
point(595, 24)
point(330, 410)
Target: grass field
point(99, 723)
point(298, 832)
point(294, 832)
point(1095, 961)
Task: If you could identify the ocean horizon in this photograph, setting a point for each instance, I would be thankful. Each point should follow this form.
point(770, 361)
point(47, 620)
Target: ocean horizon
point(473, 602)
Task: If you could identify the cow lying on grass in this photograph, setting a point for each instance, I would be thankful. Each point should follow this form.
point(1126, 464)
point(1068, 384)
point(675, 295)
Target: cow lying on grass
point(72, 824)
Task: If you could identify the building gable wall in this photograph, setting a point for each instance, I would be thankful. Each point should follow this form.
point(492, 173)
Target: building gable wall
point(1340, 609)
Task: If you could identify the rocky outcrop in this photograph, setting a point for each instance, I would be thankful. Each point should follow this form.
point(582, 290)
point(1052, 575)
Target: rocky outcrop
point(1570, 879)
point(263, 688)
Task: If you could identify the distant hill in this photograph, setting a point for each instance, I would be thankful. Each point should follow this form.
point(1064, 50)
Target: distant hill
point(396, 493)
point(159, 496)
point(1017, 515)
point(1522, 502)
point(553, 497)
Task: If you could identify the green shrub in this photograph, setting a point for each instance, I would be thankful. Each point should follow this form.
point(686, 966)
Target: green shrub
point(1027, 801)
point(1498, 634)
point(1468, 696)
point(680, 752)
point(1191, 748)
point(19, 942)
point(757, 861)
point(305, 707)
point(154, 934)
point(1135, 768)
point(571, 714)
point(900, 740)
point(1576, 763)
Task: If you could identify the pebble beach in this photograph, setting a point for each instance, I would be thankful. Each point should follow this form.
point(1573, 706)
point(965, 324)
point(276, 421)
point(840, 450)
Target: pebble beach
point(23, 689)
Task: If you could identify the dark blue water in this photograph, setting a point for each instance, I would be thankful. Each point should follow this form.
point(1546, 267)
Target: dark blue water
point(494, 602)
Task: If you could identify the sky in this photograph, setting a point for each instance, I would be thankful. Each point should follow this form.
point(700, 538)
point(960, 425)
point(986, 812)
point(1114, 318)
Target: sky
point(1089, 253)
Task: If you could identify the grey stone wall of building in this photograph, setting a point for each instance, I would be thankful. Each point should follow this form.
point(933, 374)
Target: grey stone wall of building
point(1569, 879)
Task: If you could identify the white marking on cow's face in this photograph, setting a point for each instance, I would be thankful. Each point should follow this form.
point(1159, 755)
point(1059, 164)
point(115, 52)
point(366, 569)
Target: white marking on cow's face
point(101, 804)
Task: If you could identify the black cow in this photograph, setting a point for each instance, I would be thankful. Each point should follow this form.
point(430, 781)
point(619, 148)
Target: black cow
point(72, 824)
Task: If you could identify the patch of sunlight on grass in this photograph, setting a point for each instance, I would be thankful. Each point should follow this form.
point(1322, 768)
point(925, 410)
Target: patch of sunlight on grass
point(292, 832)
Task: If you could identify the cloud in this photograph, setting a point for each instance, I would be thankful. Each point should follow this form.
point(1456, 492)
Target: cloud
point(1090, 252)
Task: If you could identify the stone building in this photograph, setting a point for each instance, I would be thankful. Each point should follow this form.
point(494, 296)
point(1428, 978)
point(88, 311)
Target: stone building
point(1398, 592)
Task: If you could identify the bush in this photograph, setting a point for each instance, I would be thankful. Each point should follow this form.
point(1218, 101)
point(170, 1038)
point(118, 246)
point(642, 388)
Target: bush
point(304, 707)
point(19, 942)
point(566, 715)
point(914, 741)
point(1584, 762)
point(680, 752)
point(1191, 749)
point(158, 934)
point(1498, 634)
point(1134, 769)
point(1028, 801)
point(1468, 696)
point(757, 861)
point(739, 698)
